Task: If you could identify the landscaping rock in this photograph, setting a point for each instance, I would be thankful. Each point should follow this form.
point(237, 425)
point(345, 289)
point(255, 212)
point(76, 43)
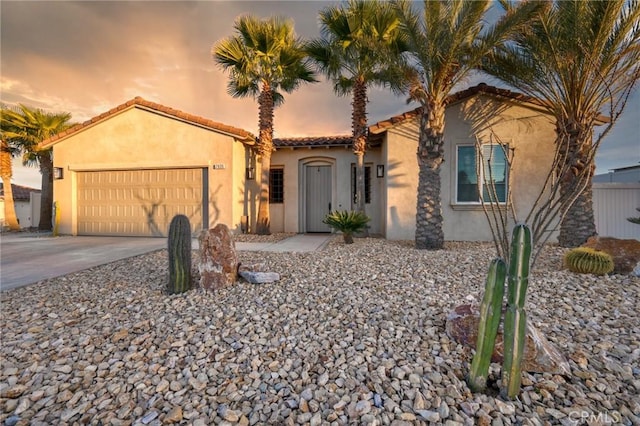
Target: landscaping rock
point(625, 253)
point(218, 264)
point(540, 355)
point(260, 277)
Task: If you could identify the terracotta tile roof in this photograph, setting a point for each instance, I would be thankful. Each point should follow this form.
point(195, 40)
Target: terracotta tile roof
point(312, 141)
point(383, 125)
point(20, 193)
point(240, 134)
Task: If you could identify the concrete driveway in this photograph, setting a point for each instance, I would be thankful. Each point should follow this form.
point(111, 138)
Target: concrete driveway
point(29, 258)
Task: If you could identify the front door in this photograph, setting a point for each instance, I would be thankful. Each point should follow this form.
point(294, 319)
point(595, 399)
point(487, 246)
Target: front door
point(318, 197)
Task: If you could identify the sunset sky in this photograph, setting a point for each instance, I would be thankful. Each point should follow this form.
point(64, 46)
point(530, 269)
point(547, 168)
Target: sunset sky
point(88, 57)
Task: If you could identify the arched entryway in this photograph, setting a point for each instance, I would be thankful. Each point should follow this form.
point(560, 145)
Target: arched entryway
point(317, 181)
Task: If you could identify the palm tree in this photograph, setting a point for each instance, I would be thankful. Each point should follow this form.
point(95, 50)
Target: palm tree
point(446, 40)
point(582, 59)
point(358, 44)
point(6, 172)
point(25, 128)
point(264, 57)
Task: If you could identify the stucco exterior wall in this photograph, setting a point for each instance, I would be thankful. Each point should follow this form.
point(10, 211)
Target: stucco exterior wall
point(289, 216)
point(140, 139)
point(528, 131)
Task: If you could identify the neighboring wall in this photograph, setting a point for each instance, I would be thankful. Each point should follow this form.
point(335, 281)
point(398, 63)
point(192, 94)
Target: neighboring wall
point(613, 203)
point(528, 131)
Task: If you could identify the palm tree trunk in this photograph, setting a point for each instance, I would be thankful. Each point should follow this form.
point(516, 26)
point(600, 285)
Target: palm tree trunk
point(359, 126)
point(429, 233)
point(6, 171)
point(265, 147)
point(579, 222)
point(46, 202)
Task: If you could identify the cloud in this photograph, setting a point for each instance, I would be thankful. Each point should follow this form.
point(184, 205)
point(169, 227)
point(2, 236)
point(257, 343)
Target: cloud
point(86, 57)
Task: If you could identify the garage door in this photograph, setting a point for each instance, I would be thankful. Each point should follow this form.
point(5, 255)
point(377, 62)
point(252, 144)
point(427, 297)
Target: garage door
point(139, 202)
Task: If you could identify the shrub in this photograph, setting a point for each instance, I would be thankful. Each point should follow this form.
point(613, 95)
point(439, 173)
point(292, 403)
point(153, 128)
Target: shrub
point(347, 222)
point(585, 260)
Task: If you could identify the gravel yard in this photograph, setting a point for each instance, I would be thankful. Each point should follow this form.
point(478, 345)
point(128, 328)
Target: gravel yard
point(350, 335)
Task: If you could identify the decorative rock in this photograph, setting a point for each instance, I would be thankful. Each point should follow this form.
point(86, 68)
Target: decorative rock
point(430, 416)
point(174, 416)
point(12, 421)
point(13, 391)
point(260, 277)
point(540, 355)
point(625, 253)
point(218, 264)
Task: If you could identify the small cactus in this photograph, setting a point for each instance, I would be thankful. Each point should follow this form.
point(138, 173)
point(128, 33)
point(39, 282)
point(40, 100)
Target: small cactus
point(179, 245)
point(515, 317)
point(585, 260)
point(490, 314)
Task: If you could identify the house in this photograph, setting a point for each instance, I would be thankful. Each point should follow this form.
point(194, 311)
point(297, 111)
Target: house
point(629, 174)
point(616, 197)
point(27, 205)
point(129, 170)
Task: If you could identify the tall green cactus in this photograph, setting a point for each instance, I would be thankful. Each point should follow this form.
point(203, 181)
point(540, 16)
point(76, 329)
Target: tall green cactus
point(179, 245)
point(490, 314)
point(515, 319)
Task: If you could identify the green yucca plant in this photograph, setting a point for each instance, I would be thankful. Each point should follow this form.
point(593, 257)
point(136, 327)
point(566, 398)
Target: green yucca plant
point(347, 222)
point(585, 260)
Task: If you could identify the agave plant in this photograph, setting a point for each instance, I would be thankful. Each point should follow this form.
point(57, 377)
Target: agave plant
point(347, 222)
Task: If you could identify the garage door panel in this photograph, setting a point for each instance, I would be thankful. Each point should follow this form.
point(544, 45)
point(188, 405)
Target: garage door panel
point(138, 202)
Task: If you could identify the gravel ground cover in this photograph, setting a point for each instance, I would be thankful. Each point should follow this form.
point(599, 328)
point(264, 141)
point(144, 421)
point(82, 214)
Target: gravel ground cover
point(350, 335)
point(253, 238)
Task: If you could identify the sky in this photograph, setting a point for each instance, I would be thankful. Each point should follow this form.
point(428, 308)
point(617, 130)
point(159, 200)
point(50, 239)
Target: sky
point(86, 57)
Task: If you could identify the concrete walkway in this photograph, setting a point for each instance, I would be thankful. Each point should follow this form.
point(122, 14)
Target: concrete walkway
point(28, 258)
point(297, 243)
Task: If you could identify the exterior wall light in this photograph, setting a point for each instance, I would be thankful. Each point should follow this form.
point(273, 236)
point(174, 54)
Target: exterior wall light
point(250, 173)
point(380, 170)
point(58, 173)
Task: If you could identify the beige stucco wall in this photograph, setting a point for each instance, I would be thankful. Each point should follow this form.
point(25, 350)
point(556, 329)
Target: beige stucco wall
point(528, 131)
point(289, 216)
point(140, 139)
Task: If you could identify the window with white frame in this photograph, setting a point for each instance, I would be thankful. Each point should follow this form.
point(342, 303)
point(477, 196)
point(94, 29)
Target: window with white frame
point(492, 176)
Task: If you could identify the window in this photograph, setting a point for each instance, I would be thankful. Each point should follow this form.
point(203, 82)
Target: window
point(492, 174)
point(367, 184)
point(276, 186)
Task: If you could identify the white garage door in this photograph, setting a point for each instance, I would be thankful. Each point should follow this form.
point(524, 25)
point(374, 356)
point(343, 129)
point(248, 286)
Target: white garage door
point(138, 202)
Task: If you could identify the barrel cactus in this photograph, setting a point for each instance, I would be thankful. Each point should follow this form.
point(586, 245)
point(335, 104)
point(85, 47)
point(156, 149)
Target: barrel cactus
point(585, 260)
point(179, 245)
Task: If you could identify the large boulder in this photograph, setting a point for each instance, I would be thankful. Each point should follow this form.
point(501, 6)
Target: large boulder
point(540, 355)
point(625, 253)
point(218, 264)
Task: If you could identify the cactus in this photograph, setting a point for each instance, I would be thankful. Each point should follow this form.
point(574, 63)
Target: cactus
point(490, 314)
point(585, 260)
point(515, 319)
point(179, 245)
